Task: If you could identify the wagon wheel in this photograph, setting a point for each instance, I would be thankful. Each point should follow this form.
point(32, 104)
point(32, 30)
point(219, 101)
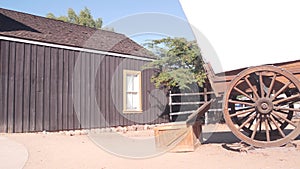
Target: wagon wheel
point(261, 106)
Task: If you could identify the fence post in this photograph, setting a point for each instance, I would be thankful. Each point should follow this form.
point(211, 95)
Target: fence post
point(170, 104)
point(205, 99)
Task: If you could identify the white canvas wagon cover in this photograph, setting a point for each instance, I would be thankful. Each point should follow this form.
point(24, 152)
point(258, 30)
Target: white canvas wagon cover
point(245, 33)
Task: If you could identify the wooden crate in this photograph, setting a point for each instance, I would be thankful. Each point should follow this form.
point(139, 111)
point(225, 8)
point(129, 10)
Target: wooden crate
point(178, 137)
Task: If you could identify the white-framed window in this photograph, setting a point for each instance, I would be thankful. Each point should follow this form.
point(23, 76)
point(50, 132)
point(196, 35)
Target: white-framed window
point(132, 85)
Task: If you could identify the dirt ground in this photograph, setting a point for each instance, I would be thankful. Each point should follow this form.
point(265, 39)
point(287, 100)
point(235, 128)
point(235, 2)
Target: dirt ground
point(57, 150)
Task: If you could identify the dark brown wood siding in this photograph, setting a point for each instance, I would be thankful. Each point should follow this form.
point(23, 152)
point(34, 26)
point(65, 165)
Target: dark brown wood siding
point(46, 88)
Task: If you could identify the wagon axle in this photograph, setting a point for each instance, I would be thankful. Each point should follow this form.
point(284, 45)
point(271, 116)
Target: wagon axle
point(264, 106)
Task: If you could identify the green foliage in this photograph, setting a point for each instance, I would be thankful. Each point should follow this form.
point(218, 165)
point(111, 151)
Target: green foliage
point(179, 63)
point(83, 18)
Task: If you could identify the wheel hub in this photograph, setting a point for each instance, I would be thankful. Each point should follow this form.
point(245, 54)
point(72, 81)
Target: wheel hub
point(264, 106)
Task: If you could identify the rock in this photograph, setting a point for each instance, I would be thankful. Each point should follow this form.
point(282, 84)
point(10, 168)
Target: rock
point(108, 130)
point(124, 130)
point(83, 132)
point(140, 127)
point(130, 128)
point(70, 133)
point(113, 129)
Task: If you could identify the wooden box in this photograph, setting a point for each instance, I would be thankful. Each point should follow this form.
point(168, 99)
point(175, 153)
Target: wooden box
point(178, 137)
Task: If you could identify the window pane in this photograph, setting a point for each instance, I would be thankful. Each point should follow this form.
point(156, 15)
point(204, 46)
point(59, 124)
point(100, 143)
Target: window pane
point(129, 83)
point(135, 101)
point(129, 101)
point(136, 83)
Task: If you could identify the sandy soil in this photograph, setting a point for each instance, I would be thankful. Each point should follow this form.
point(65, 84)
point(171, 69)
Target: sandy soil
point(58, 150)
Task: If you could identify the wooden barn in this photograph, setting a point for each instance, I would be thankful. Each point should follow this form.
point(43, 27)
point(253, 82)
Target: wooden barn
point(61, 76)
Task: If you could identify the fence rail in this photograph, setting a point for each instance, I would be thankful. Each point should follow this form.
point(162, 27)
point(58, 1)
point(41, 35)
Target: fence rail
point(204, 97)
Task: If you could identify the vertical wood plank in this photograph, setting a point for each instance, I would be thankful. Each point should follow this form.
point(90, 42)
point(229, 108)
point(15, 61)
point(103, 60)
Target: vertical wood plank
point(111, 112)
point(71, 61)
point(33, 81)
point(47, 89)
point(19, 87)
point(120, 98)
point(4, 67)
point(102, 84)
point(11, 87)
point(107, 92)
point(2, 59)
point(40, 70)
point(93, 92)
point(26, 83)
point(126, 116)
point(114, 90)
point(100, 94)
point(76, 115)
point(121, 84)
point(65, 102)
point(53, 89)
point(97, 112)
point(60, 89)
point(87, 71)
point(139, 116)
point(118, 93)
point(145, 92)
point(82, 90)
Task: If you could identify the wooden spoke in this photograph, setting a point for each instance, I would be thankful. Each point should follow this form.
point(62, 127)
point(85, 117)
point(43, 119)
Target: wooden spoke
point(255, 128)
point(278, 128)
point(269, 94)
point(240, 102)
point(251, 123)
point(283, 118)
point(287, 99)
point(271, 85)
point(271, 128)
point(250, 85)
point(261, 84)
point(245, 94)
point(260, 124)
point(244, 108)
point(281, 90)
point(267, 129)
point(280, 122)
point(286, 108)
point(247, 116)
point(242, 112)
point(283, 112)
point(247, 121)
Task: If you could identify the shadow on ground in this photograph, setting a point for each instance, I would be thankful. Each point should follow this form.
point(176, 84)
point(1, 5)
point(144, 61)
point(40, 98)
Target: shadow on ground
point(225, 137)
point(228, 140)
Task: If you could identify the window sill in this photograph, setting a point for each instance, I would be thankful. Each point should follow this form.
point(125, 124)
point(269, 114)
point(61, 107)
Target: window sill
point(132, 111)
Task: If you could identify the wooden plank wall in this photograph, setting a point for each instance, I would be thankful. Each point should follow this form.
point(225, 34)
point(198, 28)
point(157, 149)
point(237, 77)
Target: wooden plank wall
point(45, 88)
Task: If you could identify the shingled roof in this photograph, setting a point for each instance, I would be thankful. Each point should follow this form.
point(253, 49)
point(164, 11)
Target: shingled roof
point(31, 27)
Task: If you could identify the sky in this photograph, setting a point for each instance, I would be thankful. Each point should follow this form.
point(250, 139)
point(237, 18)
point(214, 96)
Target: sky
point(141, 20)
point(247, 33)
point(108, 10)
point(232, 34)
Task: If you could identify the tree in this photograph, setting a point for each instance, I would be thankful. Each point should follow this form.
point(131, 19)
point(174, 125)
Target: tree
point(179, 63)
point(83, 18)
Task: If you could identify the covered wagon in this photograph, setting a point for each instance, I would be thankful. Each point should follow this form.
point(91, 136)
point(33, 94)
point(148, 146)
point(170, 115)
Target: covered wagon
point(260, 90)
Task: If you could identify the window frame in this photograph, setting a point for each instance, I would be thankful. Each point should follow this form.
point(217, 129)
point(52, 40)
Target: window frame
point(132, 72)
